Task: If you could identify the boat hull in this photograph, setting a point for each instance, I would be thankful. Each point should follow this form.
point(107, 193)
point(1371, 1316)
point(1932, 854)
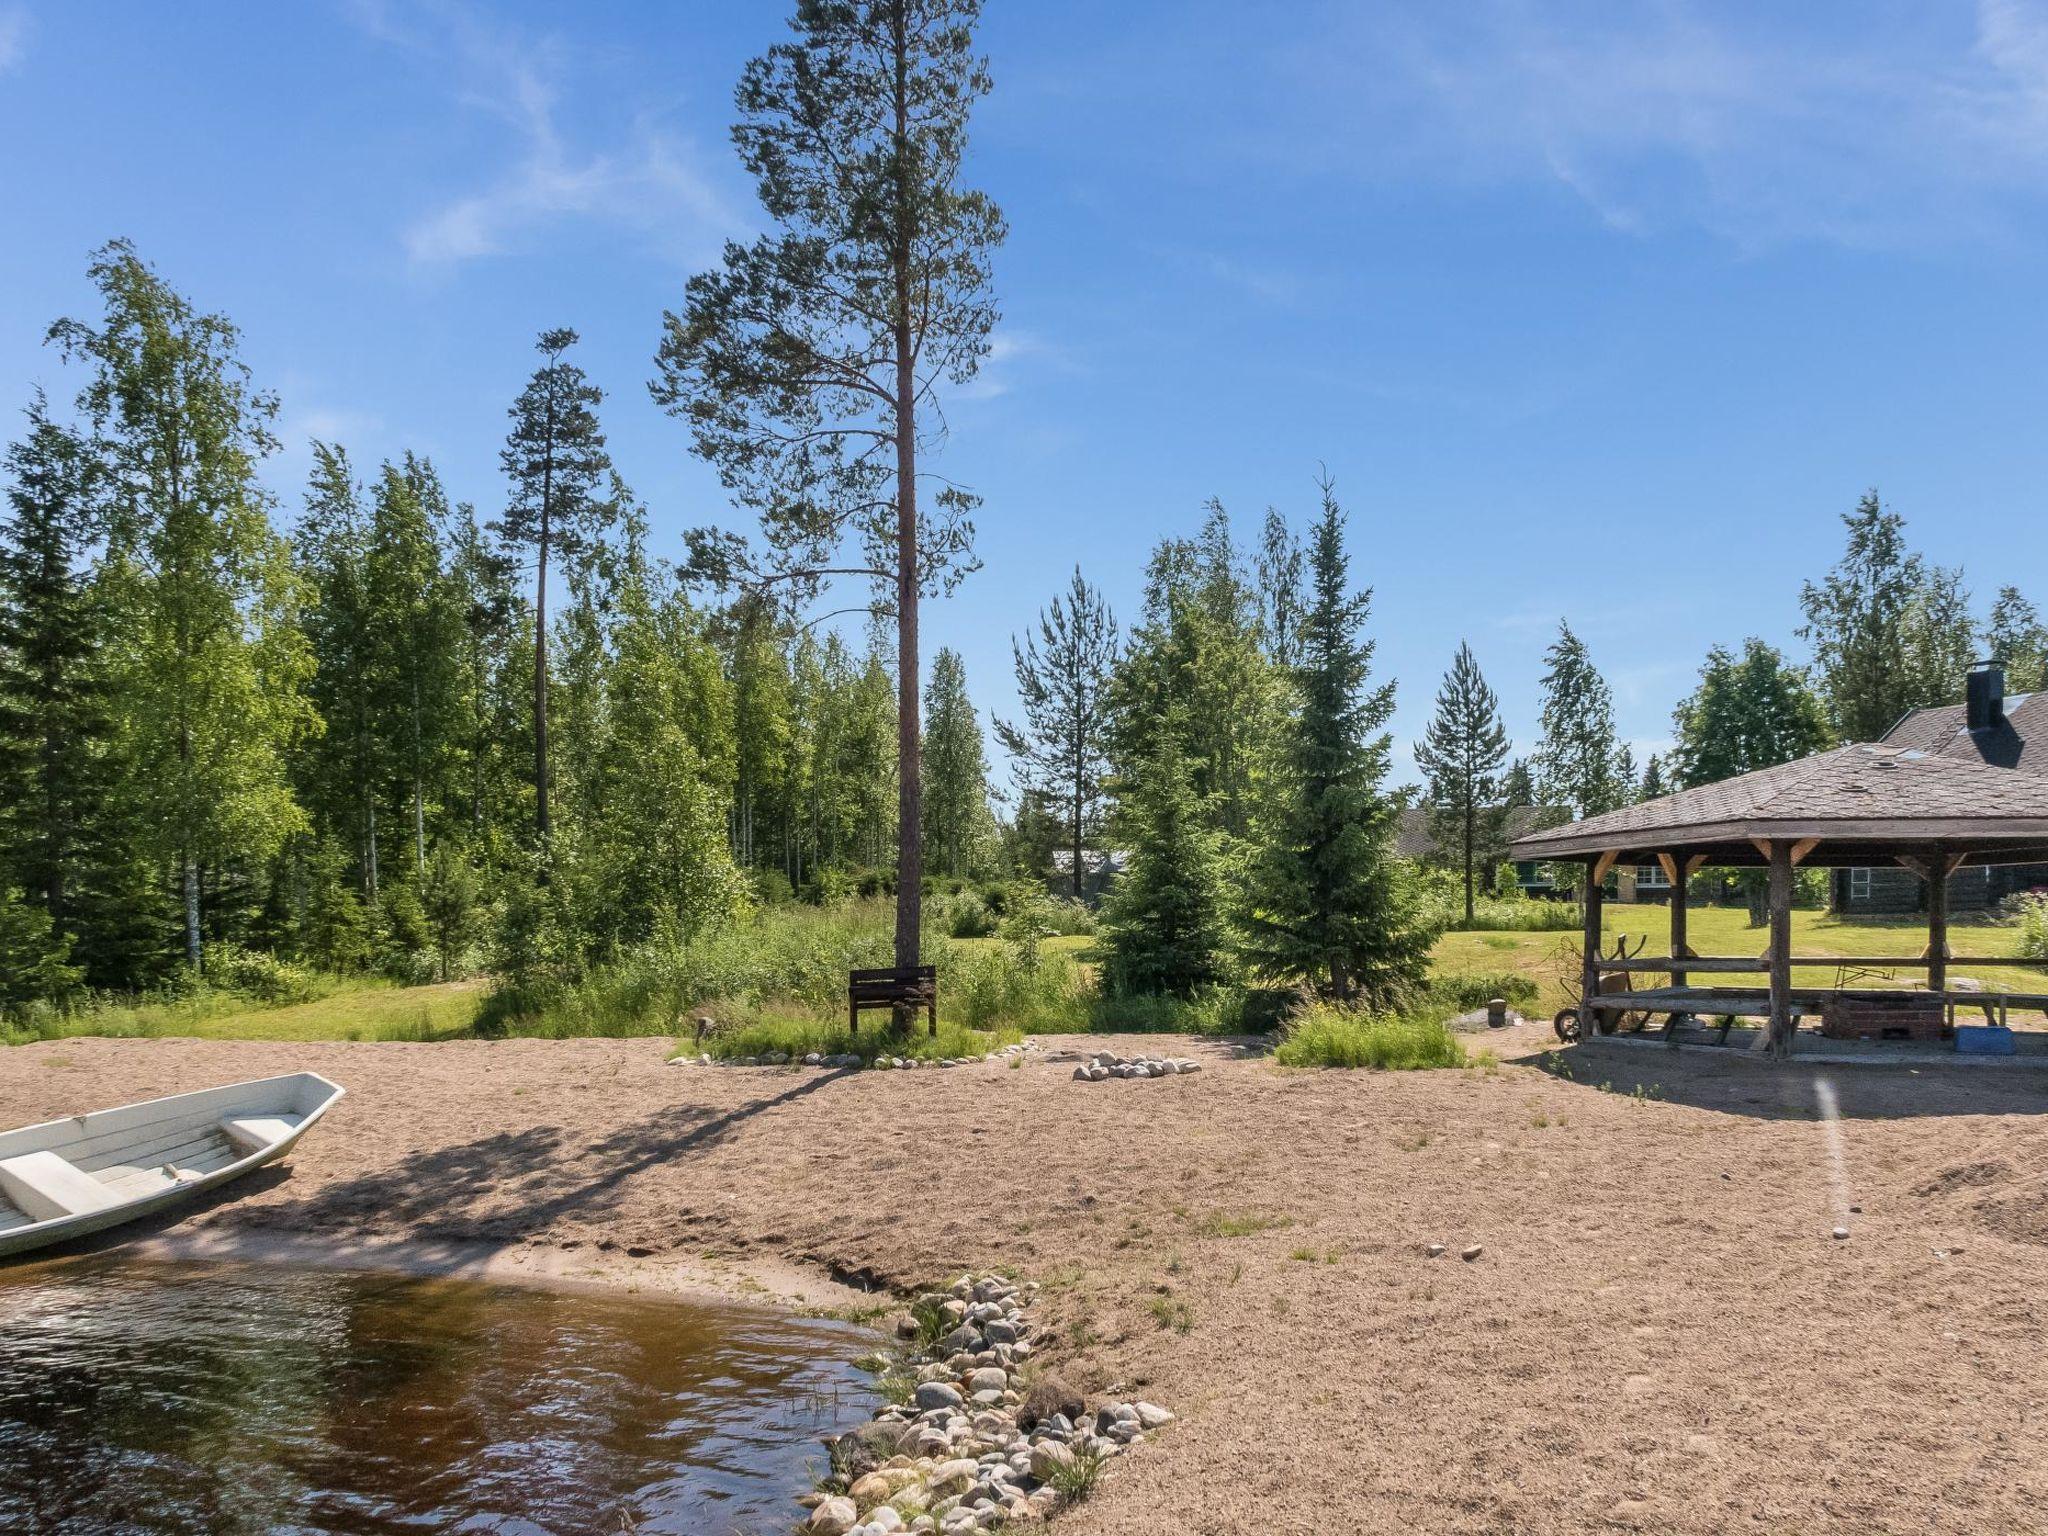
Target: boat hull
point(148, 1157)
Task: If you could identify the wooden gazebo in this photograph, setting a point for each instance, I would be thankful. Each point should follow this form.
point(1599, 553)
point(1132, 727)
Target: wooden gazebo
point(1855, 806)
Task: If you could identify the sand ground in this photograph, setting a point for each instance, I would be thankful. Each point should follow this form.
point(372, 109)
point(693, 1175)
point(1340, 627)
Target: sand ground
point(1660, 1333)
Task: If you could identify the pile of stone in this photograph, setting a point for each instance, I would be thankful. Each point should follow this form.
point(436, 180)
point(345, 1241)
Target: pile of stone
point(1105, 1065)
point(969, 1451)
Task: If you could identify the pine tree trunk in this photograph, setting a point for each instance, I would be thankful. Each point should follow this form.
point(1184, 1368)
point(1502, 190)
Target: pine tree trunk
point(910, 798)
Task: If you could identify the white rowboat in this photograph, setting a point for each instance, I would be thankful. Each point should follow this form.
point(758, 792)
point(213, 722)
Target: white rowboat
point(65, 1178)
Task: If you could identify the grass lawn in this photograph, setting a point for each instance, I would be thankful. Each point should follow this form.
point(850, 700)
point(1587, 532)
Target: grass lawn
point(357, 1011)
point(1726, 931)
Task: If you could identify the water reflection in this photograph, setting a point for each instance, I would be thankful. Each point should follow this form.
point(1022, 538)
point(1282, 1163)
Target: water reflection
point(228, 1399)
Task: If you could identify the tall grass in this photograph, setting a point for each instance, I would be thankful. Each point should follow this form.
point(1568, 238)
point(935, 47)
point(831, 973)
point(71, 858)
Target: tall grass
point(1326, 1036)
point(2031, 909)
point(170, 1010)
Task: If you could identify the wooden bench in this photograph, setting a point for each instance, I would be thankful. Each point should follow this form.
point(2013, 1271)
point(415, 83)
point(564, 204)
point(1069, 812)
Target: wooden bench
point(914, 986)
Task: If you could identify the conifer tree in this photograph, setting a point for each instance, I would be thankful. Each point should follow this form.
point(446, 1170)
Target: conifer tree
point(555, 458)
point(55, 777)
point(1328, 900)
point(956, 769)
point(208, 662)
point(35, 955)
point(1577, 759)
point(1653, 779)
point(1060, 751)
point(1460, 754)
point(1279, 578)
point(1164, 919)
point(808, 364)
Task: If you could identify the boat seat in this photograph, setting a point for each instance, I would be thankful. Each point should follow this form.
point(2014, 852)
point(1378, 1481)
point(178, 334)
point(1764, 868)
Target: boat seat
point(47, 1187)
point(257, 1133)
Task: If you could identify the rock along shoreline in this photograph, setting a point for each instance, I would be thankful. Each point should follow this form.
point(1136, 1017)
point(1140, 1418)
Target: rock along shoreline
point(981, 1439)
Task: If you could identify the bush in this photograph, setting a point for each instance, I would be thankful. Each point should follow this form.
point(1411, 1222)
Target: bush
point(262, 977)
point(1443, 907)
point(1325, 1036)
point(1462, 991)
point(2030, 911)
point(966, 916)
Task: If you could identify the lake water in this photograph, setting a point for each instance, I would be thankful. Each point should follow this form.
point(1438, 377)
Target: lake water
point(224, 1399)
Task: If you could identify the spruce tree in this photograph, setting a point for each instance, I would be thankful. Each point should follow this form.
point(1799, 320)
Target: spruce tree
point(555, 458)
point(957, 820)
point(1328, 899)
point(1577, 759)
point(1163, 921)
point(1060, 752)
point(1653, 779)
point(54, 725)
point(35, 955)
point(208, 665)
point(809, 363)
point(1460, 755)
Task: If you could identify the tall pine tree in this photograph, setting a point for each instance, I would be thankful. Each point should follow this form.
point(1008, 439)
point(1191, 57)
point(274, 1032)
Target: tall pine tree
point(1460, 754)
point(555, 458)
point(809, 363)
point(957, 821)
point(1060, 751)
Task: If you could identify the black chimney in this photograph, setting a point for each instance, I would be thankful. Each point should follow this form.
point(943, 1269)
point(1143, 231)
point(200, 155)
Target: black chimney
point(1984, 696)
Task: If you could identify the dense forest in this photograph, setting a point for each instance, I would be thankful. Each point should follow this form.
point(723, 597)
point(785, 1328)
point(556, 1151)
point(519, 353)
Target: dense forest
point(380, 730)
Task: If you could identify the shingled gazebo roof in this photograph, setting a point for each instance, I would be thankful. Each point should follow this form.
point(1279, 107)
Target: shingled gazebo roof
point(1862, 804)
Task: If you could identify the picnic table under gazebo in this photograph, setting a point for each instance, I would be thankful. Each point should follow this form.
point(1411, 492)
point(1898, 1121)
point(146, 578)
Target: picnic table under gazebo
point(1854, 807)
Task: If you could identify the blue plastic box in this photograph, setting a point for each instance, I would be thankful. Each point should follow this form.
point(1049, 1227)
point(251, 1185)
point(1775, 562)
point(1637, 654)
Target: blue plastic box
point(1985, 1040)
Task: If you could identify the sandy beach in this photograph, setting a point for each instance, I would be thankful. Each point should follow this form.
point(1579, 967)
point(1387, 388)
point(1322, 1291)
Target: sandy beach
point(1659, 1332)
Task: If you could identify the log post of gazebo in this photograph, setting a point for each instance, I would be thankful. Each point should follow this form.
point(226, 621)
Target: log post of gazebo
point(1589, 978)
point(1674, 871)
point(1938, 869)
point(1779, 955)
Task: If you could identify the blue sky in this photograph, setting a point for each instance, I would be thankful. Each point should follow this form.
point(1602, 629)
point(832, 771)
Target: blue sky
point(1596, 311)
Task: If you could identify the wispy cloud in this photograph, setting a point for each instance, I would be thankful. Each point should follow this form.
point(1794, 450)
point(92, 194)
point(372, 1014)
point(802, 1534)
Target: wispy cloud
point(651, 181)
point(1891, 126)
point(1010, 352)
point(14, 31)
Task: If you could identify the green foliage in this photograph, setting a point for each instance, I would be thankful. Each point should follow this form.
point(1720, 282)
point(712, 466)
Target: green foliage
point(35, 958)
point(1060, 752)
point(959, 833)
point(1462, 991)
point(1745, 715)
point(207, 661)
point(1327, 1036)
point(2017, 640)
point(1441, 895)
point(2030, 911)
point(1329, 902)
point(1578, 761)
point(1889, 632)
point(1461, 753)
point(1163, 923)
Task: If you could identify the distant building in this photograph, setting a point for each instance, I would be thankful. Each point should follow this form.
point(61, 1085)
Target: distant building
point(1989, 728)
point(1099, 866)
point(1412, 841)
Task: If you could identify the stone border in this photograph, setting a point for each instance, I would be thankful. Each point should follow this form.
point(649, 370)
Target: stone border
point(1104, 1065)
point(851, 1060)
point(969, 1451)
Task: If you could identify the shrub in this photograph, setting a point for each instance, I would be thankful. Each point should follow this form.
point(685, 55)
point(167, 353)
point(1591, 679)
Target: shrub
point(2030, 910)
point(262, 977)
point(1325, 1036)
point(1462, 991)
